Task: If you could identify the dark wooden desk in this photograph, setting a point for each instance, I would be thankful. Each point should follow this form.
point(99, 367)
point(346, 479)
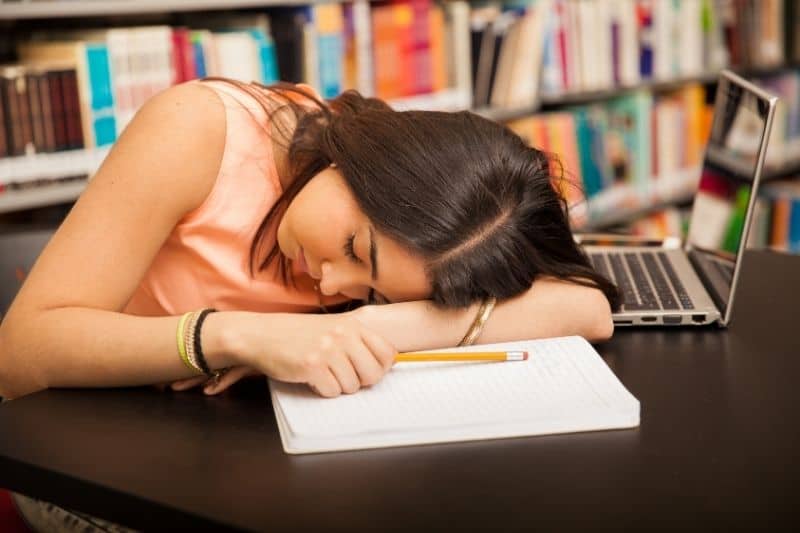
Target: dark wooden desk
point(718, 447)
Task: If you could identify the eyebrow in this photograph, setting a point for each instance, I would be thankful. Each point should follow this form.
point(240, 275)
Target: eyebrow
point(373, 254)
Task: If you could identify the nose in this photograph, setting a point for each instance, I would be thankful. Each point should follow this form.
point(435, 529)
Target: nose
point(334, 280)
point(328, 284)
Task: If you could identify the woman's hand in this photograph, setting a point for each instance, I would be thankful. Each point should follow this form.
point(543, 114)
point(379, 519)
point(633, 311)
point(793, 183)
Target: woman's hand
point(333, 354)
point(230, 377)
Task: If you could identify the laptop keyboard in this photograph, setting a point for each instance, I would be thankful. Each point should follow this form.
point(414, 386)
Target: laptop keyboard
point(647, 281)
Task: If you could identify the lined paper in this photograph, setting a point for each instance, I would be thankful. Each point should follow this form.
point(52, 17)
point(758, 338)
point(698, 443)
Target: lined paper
point(563, 384)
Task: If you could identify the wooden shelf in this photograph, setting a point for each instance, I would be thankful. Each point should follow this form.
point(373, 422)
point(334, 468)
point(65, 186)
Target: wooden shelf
point(446, 100)
point(549, 102)
point(57, 193)
point(624, 203)
point(55, 165)
point(99, 8)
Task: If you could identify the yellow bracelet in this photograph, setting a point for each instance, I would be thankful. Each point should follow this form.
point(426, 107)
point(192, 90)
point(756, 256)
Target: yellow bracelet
point(181, 342)
point(480, 319)
point(188, 340)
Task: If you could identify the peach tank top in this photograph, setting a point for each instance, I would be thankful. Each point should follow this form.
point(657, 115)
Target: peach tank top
point(204, 261)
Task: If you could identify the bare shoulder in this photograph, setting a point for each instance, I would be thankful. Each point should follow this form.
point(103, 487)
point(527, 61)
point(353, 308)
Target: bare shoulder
point(177, 138)
point(163, 165)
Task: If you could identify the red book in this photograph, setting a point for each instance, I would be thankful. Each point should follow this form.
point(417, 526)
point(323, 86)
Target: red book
point(47, 113)
point(421, 59)
point(178, 60)
point(72, 109)
point(57, 107)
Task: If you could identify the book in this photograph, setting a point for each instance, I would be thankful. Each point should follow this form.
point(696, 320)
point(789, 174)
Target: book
point(563, 387)
point(90, 59)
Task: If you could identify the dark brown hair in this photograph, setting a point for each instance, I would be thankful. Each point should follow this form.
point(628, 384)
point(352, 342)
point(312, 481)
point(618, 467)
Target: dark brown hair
point(462, 192)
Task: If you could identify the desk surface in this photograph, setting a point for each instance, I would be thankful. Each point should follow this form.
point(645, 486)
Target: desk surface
point(718, 446)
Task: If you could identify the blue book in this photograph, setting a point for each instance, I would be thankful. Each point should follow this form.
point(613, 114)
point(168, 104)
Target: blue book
point(199, 57)
point(794, 226)
point(104, 125)
point(266, 55)
point(592, 179)
point(330, 58)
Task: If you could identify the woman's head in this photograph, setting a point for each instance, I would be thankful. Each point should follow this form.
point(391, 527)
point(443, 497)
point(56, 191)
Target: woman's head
point(452, 206)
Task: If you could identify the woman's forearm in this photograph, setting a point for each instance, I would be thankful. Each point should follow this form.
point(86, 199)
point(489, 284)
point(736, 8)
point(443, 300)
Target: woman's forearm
point(83, 347)
point(550, 308)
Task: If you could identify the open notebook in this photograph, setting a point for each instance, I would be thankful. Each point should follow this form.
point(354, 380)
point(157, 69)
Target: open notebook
point(563, 387)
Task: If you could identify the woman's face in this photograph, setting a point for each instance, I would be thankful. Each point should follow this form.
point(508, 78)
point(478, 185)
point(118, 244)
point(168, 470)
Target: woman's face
point(326, 235)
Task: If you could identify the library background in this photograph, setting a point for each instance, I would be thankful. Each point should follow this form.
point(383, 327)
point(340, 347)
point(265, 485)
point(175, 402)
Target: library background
point(619, 90)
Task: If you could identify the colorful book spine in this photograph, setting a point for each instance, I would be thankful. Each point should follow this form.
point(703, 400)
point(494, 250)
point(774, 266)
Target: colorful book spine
point(101, 100)
point(794, 225)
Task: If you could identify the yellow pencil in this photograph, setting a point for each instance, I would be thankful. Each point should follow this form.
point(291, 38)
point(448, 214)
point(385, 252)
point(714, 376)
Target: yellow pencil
point(424, 357)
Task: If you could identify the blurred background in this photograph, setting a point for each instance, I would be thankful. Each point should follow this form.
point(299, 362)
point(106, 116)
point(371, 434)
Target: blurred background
point(618, 90)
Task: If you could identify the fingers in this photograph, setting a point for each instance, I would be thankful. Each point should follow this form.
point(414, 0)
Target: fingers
point(189, 383)
point(382, 349)
point(228, 378)
point(367, 365)
point(353, 357)
point(325, 383)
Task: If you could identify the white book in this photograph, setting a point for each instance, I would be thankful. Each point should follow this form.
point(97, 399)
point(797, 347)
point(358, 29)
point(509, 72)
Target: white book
point(628, 42)
point(564, 386)
point(362, 24)
point(526, 70)
point(690, 14)
point(459, 58)
point(119, 55)
point(238, 56)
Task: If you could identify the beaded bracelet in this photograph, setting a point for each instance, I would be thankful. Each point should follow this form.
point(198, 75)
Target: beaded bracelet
point(480, 319)
point(190, 346)
point(198, 348)
point(181, 340)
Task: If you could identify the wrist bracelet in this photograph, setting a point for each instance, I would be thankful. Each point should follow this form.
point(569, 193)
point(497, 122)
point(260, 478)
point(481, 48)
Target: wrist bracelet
point(190, 347)
point(182, 344)
point(481, 317)
point(198, 347)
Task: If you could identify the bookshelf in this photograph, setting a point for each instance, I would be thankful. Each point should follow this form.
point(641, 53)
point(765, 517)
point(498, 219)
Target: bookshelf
point(52, 9)
point(595, 86)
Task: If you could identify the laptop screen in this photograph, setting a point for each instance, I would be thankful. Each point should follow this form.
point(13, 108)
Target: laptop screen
point(717, 224)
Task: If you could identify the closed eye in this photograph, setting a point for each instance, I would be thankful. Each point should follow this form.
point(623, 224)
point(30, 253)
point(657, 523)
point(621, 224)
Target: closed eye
point(349, 251)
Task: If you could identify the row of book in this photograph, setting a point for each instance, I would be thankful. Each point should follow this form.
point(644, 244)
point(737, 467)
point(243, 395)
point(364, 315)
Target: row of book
point(776, 220)
point(648, 144)
point(602, 44)
point(639, 141)
point(389, 49)
point(89, 83)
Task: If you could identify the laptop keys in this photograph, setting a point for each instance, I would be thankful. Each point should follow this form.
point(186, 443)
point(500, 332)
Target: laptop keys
point(680, 290)
point(638, 293)
point(660, 283)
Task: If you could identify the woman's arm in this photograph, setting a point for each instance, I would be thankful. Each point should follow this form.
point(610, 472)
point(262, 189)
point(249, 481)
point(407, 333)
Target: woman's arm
point(65, 326)
point(550, 308)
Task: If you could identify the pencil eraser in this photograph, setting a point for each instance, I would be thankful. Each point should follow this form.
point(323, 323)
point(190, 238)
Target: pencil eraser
point(525, 355)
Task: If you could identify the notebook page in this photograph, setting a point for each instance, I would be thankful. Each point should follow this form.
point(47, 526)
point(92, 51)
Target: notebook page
point(563, 378)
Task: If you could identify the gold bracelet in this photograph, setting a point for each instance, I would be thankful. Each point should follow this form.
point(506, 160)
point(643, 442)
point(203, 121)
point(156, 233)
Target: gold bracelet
point(181, 340)
point(188, 336)
point(480, 319)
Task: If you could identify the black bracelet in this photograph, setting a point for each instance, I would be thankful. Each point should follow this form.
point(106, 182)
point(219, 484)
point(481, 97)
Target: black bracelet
point(198, 348)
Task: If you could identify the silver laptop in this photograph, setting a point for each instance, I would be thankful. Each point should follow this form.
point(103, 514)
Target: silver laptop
point(695, 284)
